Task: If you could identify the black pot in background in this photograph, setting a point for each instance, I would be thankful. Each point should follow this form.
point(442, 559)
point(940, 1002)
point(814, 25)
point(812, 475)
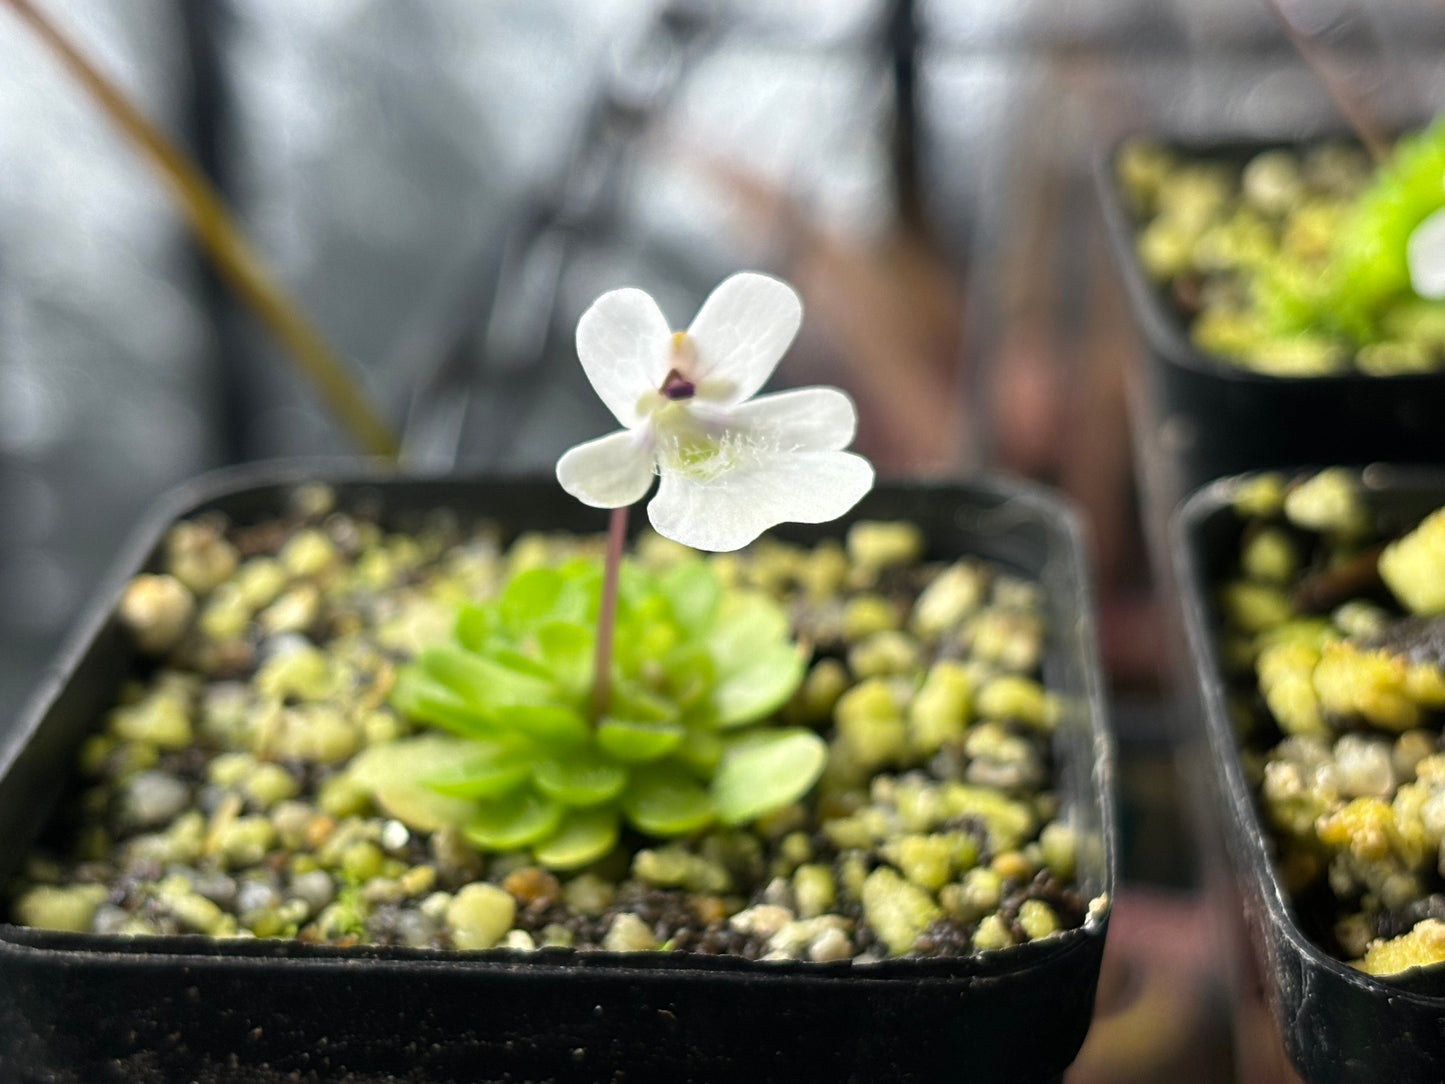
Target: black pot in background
point(1338, 1024)
point(1216, 418)
point(89, 1008)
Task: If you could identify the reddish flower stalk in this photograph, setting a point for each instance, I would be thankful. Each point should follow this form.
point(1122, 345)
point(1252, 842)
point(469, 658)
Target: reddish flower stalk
point(607, 612)
point(220, 236)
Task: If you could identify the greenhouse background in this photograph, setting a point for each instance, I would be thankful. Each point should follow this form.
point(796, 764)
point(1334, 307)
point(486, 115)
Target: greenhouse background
point(445, 187)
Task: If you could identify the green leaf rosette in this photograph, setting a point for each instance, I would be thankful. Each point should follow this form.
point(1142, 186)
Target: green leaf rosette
point(519, 764)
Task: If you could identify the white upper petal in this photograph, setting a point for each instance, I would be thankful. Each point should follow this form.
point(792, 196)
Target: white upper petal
point(610, 471)
point(1425, 254)
point(741, 333)
point(626, 348)
point(728, 511)
point(801, 420)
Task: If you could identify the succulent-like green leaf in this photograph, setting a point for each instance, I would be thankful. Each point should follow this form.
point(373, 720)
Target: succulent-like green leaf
point(582, 778)
point(487, 770)
point(475, 626)
point(482, 680)
point(764, 771)
point(583, 836)
point(418, 696)
point(654, 640)
point(523, 663)
point(666, 803)
point(519, 819)
point(635, 741)
point(567, 649)
point(745, 620)
point(759, 686)
point(691, 663)
point(637, 595)
point(392, 772)
point(694, 592)
point(406, 760)
point(632, 700)
point(529, 597)
point(421, 808)
point(688, 676)
point(700, 751)
point(546, 724)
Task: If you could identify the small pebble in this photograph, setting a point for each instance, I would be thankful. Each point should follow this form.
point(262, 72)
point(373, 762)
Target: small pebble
point(628, 933)
point(153, 798)
point(479, 916)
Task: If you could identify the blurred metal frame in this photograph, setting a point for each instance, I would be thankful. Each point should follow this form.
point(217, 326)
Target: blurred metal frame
point(519, 279)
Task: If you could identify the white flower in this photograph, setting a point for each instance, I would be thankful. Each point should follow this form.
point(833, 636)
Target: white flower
point(731, 466)
point(1425, 255)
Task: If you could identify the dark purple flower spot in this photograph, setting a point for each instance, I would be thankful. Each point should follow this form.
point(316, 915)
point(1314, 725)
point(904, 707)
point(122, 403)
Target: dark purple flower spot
point(676, 386)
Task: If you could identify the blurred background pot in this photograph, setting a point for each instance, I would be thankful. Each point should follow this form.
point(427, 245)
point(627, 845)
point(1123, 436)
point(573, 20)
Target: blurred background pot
point(1337, 1023)
point(1217, 417)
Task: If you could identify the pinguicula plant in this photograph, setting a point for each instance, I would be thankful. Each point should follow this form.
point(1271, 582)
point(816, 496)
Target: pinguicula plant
point(593, 695)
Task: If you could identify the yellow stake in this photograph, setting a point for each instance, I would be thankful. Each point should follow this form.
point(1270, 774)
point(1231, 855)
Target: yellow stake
point(228, 248)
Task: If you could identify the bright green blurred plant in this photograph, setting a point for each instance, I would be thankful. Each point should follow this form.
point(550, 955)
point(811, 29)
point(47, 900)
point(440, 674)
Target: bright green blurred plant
point(1362, 290)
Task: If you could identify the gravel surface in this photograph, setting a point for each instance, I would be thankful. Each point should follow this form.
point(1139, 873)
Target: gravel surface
point(214, 797)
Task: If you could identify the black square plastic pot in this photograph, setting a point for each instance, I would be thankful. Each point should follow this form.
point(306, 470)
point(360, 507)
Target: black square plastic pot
point(1220, 419)
point(91, 1008)
point(1337, 1023)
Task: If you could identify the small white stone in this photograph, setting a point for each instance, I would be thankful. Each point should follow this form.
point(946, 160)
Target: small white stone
point(314, 888)
point(628, 933)
point(1432, 814)
point(1098, 906)
point(108, 919)
point(255, 895)
point(779, 892)
point(832, 944)
point(789, 942)
point(1365, 766)
point(480, 915)
point(520, 940)
point(764, 920)
point(795, 939)
point(153, 798)
point(394, 835)
point(415, 929)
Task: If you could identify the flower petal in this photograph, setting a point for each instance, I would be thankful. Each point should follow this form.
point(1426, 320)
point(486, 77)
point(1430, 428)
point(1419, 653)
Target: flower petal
point(801, 420)
point(610, 471)
point(728, 511)
point(740, 334)
point(1425, 254)
point(626, 348)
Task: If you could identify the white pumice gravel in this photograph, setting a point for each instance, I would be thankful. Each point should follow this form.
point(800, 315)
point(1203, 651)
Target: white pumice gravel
point(215, 795)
